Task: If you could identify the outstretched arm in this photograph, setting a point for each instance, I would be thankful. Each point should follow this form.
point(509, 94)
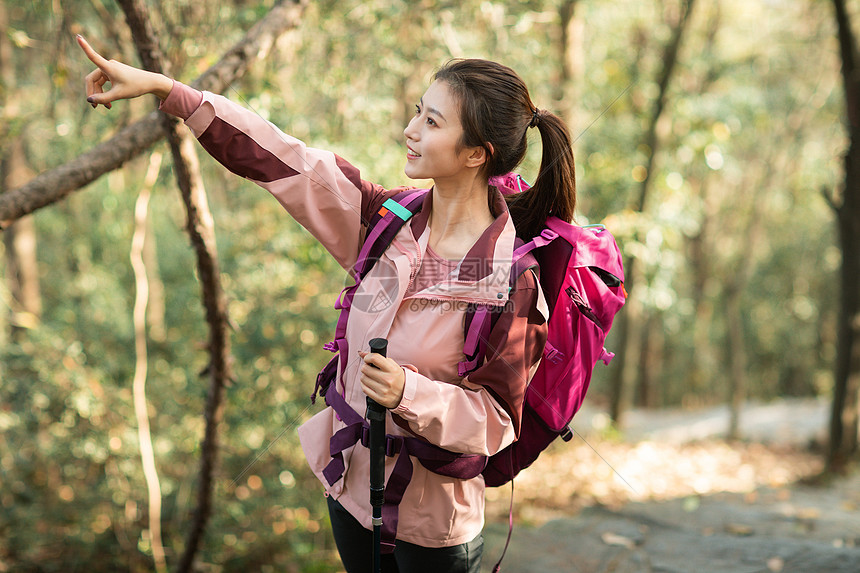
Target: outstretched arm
point(324, 193)
point(126, 82)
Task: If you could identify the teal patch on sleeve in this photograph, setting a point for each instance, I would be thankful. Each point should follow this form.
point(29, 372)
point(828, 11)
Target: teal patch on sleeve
point(397, 209)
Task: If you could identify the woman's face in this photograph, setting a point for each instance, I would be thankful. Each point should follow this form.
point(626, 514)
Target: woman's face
point(433, 137)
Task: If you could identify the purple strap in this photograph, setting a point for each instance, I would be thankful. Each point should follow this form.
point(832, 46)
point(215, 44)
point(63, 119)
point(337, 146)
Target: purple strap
point(369, 242)
point(343, 438)
point(552, 354)
point(473, 338)
point(395, 488)
point(476, 341)
point(376, 231)
point(349, 436)
point(325, 377)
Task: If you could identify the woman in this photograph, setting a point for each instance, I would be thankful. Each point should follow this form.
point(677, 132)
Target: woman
point(469, 127)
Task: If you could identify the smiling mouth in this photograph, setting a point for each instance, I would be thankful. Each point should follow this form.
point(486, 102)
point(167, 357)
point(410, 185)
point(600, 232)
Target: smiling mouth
point(411, 152)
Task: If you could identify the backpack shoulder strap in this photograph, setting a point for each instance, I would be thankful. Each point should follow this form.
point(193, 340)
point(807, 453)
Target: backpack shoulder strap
point(385, 224)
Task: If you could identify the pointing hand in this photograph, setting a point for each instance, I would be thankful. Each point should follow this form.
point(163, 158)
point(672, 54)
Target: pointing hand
point(126, 81)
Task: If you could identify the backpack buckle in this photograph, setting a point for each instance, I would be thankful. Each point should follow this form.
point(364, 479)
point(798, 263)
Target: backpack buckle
point(549, 234)
point(393, 445)
point(566, 434)
point(553, 354)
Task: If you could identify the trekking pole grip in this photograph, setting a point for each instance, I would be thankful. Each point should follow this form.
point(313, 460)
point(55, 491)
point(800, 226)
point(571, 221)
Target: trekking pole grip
point(376, 416)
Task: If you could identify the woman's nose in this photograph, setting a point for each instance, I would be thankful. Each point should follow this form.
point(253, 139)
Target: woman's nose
point(409, 131)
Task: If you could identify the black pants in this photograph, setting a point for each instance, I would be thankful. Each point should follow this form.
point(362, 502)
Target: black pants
point(355, 545)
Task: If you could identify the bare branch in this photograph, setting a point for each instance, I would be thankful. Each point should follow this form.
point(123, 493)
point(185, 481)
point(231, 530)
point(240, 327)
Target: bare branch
point(144, 435)
point(53, 185)
point(201, 231)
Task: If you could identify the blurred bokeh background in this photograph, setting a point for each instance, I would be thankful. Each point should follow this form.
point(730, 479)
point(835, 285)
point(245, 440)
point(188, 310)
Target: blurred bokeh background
point(709, 138)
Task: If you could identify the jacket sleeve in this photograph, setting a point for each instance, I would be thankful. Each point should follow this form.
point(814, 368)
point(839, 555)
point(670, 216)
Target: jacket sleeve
point(324, 193)
point(482, 416)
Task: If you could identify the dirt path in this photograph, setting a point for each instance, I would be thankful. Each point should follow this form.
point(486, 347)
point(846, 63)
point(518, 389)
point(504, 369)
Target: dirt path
point(670, 504)
point(797, 530)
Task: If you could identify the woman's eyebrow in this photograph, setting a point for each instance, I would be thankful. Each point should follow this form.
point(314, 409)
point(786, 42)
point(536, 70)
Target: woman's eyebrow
point(433, 110)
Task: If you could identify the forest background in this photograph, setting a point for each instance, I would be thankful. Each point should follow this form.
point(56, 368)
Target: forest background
point(709, 139)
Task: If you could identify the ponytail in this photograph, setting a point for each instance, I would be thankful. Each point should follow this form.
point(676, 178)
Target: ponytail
point(554, 190)
point(496, 112)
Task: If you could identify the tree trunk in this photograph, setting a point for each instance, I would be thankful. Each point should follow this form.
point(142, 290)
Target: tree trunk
point(22, 266)
point(701, 247)
point(629, 344)
point(53, 185)
point(650, 361)
point(703, 359)
point(737, 278)
point(737, 355)
point(571, 65)
point(624, 377)
point(201, 230)
point(844, 425)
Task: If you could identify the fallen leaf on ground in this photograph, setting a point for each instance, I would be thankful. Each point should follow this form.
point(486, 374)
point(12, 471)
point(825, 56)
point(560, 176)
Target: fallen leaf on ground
point(775, 564)
point(739, 529)
point(610, 538)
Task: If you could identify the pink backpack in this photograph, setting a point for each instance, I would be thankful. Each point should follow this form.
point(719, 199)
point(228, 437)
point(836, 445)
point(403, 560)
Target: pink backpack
point(582, 278)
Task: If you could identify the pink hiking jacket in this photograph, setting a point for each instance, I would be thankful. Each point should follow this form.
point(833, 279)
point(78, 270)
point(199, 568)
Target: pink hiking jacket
point(478, 414)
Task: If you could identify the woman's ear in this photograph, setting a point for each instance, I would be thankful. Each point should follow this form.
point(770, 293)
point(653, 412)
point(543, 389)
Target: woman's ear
point(480, 155)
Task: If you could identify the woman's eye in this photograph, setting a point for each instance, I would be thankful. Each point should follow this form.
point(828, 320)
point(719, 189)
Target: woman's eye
point(430, 121)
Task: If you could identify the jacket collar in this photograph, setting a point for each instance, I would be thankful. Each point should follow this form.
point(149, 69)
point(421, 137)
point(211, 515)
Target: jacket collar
point(484, 273)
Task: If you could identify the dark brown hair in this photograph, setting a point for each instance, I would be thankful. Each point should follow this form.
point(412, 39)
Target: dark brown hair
point(496, 109)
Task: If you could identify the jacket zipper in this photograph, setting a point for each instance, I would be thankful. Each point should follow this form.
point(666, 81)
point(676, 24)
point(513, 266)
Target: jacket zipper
point(415, 265)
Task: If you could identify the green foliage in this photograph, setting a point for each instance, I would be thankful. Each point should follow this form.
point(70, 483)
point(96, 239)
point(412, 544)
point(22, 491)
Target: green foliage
point(750, 139)
point(71, 463)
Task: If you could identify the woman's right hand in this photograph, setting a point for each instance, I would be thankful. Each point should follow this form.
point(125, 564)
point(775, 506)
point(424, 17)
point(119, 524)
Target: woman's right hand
point(126, 82)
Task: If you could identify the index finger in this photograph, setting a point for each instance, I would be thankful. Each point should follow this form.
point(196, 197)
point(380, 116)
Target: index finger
point(379, 361)
point(94, 56)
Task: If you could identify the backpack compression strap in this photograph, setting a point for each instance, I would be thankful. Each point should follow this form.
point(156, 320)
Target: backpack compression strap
point(480, 319)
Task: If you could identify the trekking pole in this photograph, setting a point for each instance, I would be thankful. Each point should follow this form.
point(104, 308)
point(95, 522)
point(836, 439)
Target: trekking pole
point(376, 415)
